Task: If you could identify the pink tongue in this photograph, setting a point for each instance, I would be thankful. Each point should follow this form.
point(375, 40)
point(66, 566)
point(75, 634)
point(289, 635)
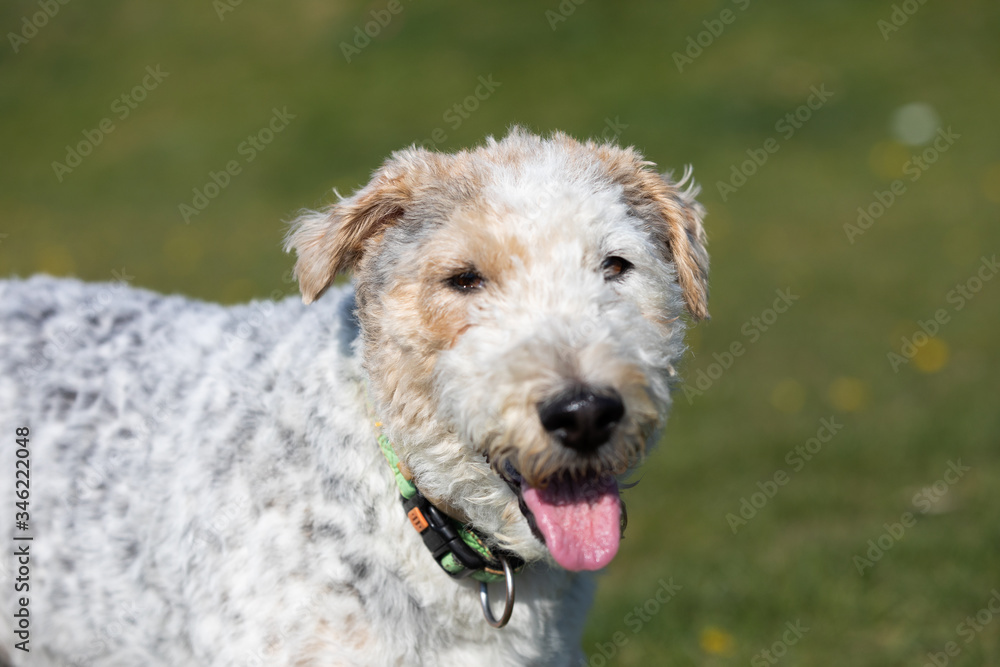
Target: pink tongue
point(580, 521)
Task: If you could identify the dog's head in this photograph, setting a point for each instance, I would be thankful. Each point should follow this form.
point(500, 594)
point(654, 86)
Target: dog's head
point(521, 311)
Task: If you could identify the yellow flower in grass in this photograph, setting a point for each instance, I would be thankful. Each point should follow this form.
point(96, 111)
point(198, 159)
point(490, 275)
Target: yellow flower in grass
point(716, 641)
point(848, 394)
point(932, 356)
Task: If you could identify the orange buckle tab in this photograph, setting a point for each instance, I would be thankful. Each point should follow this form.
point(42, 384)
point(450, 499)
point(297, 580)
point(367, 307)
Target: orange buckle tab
point(417, 519)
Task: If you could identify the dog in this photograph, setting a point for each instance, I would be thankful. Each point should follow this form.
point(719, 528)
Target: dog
point(339, 483)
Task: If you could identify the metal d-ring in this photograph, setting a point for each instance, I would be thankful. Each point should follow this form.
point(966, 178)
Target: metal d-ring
point(508, 605)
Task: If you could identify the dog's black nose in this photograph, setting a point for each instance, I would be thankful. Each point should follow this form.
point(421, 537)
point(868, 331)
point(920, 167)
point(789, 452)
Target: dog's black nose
point(583, 419)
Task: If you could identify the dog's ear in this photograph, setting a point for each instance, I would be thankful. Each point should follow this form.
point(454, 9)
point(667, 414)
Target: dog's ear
point(676, 219)
point(331, 241)
point(686, 238)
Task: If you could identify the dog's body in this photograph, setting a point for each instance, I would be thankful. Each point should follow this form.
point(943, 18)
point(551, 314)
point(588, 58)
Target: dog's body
point(206, 485)
point(207, 494)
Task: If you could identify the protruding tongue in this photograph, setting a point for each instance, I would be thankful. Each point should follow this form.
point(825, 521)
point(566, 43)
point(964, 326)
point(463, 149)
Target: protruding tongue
point(579, 520)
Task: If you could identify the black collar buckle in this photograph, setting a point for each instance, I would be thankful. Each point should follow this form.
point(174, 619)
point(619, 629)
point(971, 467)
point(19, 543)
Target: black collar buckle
point(440, 534)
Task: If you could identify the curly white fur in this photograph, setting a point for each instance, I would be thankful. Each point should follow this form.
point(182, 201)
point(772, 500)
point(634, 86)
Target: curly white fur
point(207, 492)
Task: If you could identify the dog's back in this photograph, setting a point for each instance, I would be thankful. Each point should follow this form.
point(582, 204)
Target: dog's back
point(94, 373)
point(155, 441)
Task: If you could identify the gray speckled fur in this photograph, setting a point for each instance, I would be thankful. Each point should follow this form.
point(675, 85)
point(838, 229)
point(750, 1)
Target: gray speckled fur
point(206, 490)
point(206, 484)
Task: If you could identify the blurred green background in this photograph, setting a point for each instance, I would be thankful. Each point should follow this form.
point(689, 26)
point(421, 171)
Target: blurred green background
point(601, 69)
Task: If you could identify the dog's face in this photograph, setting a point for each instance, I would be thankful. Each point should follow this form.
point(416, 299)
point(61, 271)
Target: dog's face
point(521, 310)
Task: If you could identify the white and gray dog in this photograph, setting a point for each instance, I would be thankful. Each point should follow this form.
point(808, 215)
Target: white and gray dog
point(333, 484)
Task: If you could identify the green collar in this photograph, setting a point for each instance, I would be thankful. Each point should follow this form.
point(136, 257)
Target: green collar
point(457, 547)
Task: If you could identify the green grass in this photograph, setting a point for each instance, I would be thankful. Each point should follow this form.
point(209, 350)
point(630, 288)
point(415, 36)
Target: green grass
point(784, 229)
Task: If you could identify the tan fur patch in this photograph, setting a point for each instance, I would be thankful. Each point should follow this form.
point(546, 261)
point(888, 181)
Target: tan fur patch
point(427, 217)
point(676, 218)
point(473, 240)
point(333, 242)
point(315, 653)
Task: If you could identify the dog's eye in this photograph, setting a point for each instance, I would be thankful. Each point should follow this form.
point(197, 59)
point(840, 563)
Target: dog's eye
point(466, 281)
point(615, 267)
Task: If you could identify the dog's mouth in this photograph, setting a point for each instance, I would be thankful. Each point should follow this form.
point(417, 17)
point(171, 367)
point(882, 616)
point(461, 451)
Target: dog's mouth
point(580, 519)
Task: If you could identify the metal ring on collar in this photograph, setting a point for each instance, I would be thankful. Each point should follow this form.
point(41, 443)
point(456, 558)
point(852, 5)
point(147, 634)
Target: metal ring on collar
point(508, 606)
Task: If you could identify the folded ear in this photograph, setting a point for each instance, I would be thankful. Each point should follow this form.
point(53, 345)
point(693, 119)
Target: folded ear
point(675, 218)
point(332, 241)
point(686, 238)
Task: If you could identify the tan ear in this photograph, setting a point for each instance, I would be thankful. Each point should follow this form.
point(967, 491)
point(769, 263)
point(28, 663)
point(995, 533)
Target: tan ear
point(332, 241)
point(685, 236)
point(675, 217)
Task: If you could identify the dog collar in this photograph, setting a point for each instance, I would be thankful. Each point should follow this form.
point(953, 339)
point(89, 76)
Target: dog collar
point(456, 547)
